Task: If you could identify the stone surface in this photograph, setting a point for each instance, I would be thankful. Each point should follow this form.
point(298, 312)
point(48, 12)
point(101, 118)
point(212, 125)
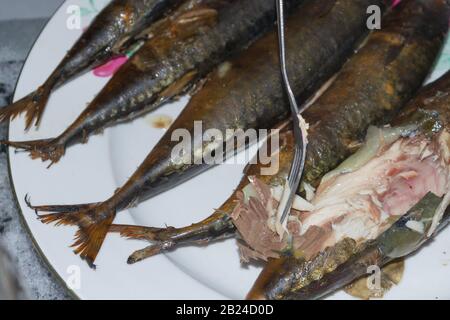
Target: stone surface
point(16, 38)
point(27, 9)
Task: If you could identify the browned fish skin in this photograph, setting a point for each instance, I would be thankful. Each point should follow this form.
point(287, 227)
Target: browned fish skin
point(371, 87)
point(432, 102)
point(291, 278)
point(165, 66)
point(321, 35)
point(119, 20)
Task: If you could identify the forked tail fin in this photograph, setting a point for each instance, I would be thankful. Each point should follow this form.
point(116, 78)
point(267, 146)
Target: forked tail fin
point(93, 221)
point(46, 149)
point(33, 105)
point(215, 227)
point(161, 237)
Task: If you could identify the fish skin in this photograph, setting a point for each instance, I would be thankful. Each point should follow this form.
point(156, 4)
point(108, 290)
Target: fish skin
point(291, 278)
point(253, 99)
point(429, 107)
point(165, 63)
point(119, 20)
point(377, 93)
point(358, 97)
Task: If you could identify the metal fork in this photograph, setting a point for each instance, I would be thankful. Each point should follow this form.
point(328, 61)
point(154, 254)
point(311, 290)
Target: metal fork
point(298, 163)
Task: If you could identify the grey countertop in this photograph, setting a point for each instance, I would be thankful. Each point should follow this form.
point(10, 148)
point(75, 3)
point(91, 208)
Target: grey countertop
point(27, 9)
point(16, 39)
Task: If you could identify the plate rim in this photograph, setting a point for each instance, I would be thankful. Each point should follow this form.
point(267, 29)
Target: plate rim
point(23, 222)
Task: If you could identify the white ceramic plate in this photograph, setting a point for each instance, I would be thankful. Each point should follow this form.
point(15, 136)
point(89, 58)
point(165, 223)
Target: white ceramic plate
point(92, 172)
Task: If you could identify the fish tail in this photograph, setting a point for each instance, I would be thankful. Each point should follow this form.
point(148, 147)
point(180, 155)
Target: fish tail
point(148, 252)
point(137, 232)
point(93, 222)
point(164, 239)
point(45, 149)
point(33, 106)
point(215, 227)
point(11, 111)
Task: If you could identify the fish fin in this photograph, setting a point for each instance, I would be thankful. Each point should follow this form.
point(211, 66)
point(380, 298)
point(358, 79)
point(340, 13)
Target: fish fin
point(188, 24)
point(143, 233)
point(45, 149)
point(90, 239)
point(135, 232)
point(178, 87)
point(11, 111)
point(180, 26)
point(60, 208)
point(33, 105)
point(170, 238)
point(148, 252)
point(93, 221)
